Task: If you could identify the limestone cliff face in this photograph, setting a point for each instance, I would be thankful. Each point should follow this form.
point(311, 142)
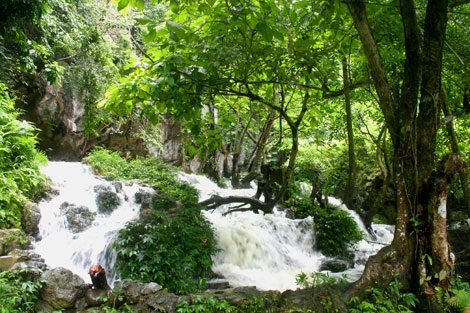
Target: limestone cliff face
point(58, 112)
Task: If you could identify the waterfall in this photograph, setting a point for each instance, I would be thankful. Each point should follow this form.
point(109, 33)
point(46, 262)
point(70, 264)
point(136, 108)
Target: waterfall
point(262, 250)
point(74, 184)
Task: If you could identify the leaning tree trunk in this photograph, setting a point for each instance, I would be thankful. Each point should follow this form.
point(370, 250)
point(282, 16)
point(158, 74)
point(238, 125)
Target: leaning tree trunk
point(261, 143)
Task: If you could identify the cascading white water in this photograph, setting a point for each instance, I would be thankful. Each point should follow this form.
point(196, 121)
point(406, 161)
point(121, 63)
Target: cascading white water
point(269, 250)
point(262, 250)
point(58, 245)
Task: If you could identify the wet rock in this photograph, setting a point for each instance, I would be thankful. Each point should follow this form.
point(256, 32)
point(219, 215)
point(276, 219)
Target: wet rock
point(67, 292)
point(21, 259)
point(7, 262)
point(134, 290)
point(62, 288)
point(78, 218)
point(106, 199)
point(217, 284)
point(30, 219)
point(336, 265)
point(163, 302)
point(96, 297)
point(238, 295)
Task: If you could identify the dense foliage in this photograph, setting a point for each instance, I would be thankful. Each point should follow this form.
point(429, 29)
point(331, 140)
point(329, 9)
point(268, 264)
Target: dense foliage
point(19, 290)
point(336, 231)
point(213, 305)
point(249, 76)
point(173, 244)
point(392, 300)
point(174, 251)
point(20, 177)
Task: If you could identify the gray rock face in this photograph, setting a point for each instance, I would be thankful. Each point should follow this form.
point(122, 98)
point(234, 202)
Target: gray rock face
point(20, 259)
point(106, 199)
point(62, 288)
point(78, 218)
point(30, 220)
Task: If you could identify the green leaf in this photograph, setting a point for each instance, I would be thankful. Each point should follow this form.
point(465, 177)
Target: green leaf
point(175, 30)
point(265, 31)
point(442, 275)
point(139, 4)
point(122, 4)
point(143, 21)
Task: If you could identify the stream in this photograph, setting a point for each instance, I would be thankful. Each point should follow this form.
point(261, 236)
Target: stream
point(262, 250)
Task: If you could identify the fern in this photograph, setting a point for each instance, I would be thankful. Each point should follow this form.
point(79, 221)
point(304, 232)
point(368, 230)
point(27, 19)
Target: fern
point(460, 300)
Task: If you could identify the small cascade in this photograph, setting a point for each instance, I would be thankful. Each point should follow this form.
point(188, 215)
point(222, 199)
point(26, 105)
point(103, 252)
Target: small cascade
point(269, 250)
point(262, 250)
point(266, 251)
point(69, 239)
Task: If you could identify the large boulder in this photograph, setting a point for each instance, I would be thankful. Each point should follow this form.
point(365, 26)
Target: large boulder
point(30, 219)
point(106, 199)
point(62, 288)
point(78, 218)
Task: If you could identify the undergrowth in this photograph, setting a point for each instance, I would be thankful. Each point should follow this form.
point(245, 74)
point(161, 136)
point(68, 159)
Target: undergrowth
point(19, 290)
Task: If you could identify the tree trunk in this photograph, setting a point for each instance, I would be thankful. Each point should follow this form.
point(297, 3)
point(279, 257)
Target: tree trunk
point(350, 191)
point(418, 255)
point(261, 143)
point(237, 148)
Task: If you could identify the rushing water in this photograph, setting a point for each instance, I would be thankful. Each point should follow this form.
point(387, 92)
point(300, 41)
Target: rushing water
point(262, 250)
point(75, 184)
point(269, 250)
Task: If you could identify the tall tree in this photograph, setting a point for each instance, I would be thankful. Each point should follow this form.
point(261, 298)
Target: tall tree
point(419, 253)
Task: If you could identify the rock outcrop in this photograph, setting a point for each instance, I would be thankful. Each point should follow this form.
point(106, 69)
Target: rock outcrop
point(78, 217)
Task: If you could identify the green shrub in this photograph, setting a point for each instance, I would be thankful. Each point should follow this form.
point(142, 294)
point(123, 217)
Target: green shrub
point(315, 279)
point(107, 163)
point(303, 207)
point(19, 290)
point(456, 298)
point(335, 231)
point(174, 251)
point(267, 304)
point(20, 176)
point(207, 305)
